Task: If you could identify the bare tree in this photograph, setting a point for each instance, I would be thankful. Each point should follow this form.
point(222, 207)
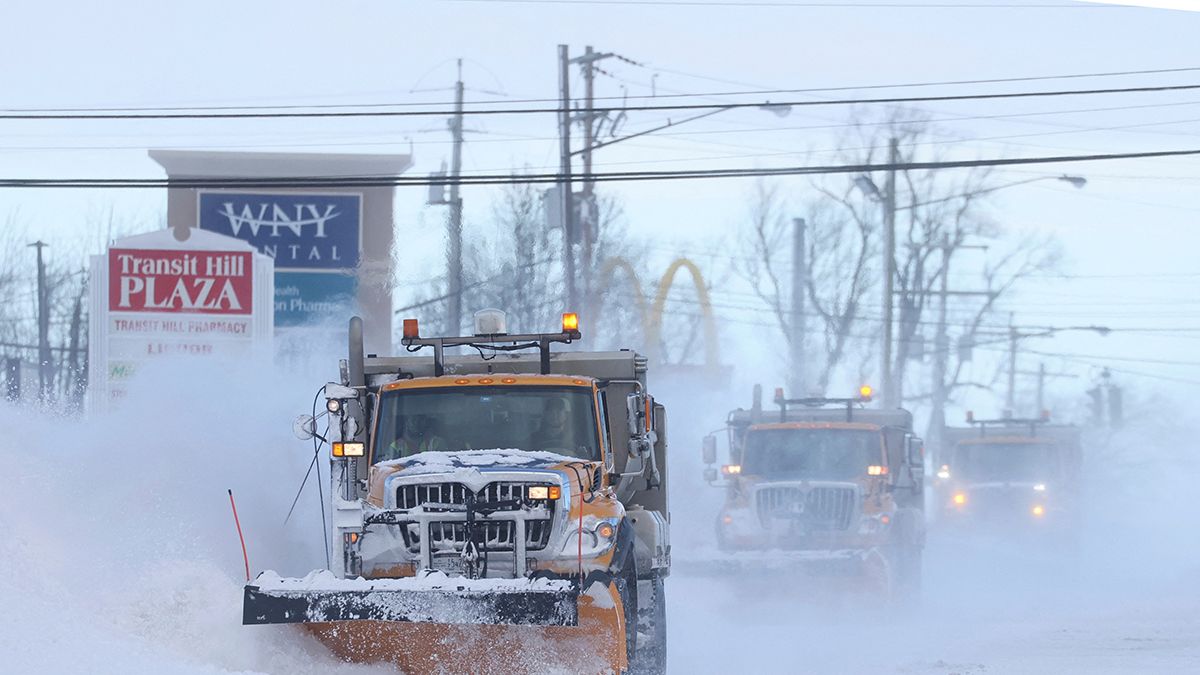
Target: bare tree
point(938, 214)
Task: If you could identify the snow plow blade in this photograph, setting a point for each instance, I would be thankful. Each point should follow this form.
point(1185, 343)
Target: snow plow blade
point(521, 603)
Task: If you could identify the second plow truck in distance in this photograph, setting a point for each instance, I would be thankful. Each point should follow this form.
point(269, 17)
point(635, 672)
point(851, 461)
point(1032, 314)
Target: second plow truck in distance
point(1014, 476)
point(825, 487)
point(493, 512)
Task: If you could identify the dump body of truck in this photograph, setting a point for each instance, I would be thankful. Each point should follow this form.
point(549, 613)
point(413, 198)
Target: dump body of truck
point(499, 514)
point(1010, 473)
point(826, 484)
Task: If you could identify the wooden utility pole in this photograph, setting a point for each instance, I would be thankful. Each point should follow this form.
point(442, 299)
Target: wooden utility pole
point(797, 368)
point(564, 185)
point(889, 272)
point(454, 263)
point(45, 366)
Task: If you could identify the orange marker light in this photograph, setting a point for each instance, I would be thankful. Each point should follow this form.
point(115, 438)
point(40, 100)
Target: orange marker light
point(486, 380)
point(960, 499)
point(508, 380)
point(411, 329)
point(877, 470)
point(555, 492)
point(570, 322)
point(885, 519)
point(462, 380)
point(605, 530)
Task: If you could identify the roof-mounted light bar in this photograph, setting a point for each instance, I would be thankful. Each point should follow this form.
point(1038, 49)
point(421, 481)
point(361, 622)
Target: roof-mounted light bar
point(497, 340)
point(1008, 421)
point(864, 396)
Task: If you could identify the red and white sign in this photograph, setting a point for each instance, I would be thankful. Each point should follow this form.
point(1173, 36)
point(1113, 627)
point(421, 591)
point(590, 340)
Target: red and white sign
point(179, 282)
point(160, 297)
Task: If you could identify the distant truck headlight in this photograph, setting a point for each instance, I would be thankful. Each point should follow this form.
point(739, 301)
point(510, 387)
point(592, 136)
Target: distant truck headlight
point(960, 498)
point(1040, 487)
point(1038, 511)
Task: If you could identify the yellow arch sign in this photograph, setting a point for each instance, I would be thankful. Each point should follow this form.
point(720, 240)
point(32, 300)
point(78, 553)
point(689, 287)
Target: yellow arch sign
point(652, 316)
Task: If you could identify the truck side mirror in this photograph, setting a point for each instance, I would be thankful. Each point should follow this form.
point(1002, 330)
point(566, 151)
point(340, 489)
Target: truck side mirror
point(916, 452)
point(710, 475)
point(709, 449)
point(635, 413)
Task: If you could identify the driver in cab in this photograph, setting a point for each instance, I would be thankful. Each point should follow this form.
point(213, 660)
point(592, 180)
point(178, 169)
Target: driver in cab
point(416, 437)
point(552, 434)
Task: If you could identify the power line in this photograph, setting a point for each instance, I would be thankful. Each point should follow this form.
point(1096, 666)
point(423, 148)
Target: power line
point(545, 178)
point(813, 5)
point(892, 100)
point(743, 92)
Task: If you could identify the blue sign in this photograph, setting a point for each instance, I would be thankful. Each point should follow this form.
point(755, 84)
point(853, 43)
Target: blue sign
point(300, 231)
point(303, 298)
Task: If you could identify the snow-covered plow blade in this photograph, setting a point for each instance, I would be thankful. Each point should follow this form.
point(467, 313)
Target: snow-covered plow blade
point(431, 623)
point(320, 598)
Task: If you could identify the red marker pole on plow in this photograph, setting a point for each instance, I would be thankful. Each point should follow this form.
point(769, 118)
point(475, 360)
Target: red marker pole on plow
point(245, 558)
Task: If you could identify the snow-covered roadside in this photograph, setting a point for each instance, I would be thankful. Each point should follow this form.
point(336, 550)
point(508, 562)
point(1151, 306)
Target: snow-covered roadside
point(117, 547)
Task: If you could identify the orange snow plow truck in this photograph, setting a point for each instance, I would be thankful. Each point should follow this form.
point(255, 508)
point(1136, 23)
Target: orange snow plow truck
point(492, 512)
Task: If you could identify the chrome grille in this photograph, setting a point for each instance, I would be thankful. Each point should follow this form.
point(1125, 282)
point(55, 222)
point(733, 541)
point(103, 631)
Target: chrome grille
point(497, 535)
point(820, 508)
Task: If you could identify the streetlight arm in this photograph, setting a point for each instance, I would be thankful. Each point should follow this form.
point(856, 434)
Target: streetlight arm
point(1077, 181)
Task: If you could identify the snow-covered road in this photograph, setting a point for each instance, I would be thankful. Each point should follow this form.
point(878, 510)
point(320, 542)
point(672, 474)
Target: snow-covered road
point(118, 555)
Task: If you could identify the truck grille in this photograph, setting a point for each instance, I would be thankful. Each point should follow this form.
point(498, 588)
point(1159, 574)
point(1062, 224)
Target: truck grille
point(820, 508)
point(497, 535)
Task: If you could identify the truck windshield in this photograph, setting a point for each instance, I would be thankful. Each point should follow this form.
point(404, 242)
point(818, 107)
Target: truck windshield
point(813, 454)
point(552, 419)
point(984, 462)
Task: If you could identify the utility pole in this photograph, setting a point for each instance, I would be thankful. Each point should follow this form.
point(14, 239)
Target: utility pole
point(587, 224)
point(454, 262)
point(564, 186)
point(1013, 336)
point(44, 366)
point(889, 271)
point(941, 354)
point(797, 368)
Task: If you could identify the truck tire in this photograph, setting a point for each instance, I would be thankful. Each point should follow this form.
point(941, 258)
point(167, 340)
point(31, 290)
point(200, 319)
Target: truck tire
point(651, 656)
point(627, 587)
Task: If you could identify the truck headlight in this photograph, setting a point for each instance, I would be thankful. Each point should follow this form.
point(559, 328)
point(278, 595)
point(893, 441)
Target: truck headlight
point(333, 405)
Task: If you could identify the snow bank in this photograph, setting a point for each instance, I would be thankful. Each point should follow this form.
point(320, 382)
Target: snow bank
point(117, 545)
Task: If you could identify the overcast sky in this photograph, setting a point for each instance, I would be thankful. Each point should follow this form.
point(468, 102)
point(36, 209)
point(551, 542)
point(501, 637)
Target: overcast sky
point(1130, 235)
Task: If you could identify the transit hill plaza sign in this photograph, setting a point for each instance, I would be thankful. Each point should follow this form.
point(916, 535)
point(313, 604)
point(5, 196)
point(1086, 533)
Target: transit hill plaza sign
point(153, 296)
point(331, 245)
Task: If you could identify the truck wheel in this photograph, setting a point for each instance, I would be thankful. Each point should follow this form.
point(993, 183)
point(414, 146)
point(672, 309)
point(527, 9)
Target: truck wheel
point(627, 587)
point(651, 657)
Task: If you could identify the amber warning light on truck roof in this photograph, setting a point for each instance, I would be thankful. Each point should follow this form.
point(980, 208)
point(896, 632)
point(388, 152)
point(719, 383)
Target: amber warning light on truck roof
point(865, 392)
point(570, 322)
point(411, 329)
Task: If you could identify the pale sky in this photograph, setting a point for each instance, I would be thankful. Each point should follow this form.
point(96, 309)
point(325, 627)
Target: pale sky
point(1130, 235)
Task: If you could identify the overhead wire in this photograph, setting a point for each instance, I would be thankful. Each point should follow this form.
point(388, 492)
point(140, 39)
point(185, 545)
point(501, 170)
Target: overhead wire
point(595, 109)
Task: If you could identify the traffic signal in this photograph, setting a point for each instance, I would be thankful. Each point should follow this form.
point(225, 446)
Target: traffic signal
point(1115, 411)
point(1097, 404)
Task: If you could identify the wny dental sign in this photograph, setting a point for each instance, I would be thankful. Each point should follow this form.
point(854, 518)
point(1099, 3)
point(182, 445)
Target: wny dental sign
point(184, 293)
point(300, 231)
point(211, 282)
